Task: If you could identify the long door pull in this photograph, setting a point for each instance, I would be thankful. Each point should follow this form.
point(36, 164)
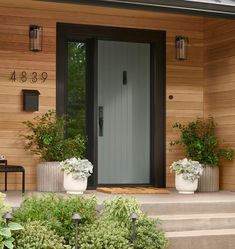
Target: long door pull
point(101, 120)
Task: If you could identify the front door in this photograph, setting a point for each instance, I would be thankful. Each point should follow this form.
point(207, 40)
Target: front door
point(109, 80)
point(123, 112)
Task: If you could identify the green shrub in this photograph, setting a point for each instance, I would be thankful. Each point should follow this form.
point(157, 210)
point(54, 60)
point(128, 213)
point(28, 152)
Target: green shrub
point(38, 236)
point(201, 142)
point(104, 235)
point(148, 235)
point(57, 212)
point(74, 147)
point(46, 138)
point(111, 230)
point(120, 208)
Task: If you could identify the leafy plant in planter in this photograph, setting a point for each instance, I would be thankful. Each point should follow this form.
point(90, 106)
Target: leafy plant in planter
point(190, 170)
point(201, 143)
point(47, 138)
point(187, 172)
point(76, 172)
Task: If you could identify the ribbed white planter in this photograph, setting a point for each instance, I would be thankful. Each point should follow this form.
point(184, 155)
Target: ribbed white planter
point(185, 186)
point(209, 180)
point(73, 186)
point(49, 177)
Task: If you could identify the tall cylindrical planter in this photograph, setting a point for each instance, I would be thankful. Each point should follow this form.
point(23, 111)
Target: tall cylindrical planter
point(74, 186)
point(209, 180)
point(185, 186)
point(49, 177)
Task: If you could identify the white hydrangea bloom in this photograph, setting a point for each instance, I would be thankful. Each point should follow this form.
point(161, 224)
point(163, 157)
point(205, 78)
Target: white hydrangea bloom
point(190, 170)
point(79, 168)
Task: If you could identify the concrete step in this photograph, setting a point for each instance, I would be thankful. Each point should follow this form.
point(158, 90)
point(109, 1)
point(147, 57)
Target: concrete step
point(189, 207)
point(203, 239)
point(190, 222)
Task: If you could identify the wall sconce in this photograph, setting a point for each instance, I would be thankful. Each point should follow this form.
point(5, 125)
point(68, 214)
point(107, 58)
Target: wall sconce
point(181, 43)
point(35, 38)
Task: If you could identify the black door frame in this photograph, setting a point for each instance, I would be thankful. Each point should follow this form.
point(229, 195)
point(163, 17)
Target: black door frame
point(91, 34)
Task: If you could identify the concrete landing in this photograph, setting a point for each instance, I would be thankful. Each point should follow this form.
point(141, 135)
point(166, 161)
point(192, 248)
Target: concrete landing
point(14, 198)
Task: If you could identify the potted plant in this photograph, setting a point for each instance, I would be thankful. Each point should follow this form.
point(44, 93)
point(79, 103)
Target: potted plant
point(187, 173)
point(76, 171)
point(201, 144)
point(46, 139)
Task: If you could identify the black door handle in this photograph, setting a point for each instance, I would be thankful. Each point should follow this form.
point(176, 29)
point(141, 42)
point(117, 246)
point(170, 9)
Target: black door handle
point(101, 120)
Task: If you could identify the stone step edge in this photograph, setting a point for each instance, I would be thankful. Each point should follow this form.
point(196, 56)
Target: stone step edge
point(200, 233)
point(193, 216)
point(188, 202)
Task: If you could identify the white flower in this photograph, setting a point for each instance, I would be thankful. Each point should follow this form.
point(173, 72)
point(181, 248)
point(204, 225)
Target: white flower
point(79, 168)
point(190, 170)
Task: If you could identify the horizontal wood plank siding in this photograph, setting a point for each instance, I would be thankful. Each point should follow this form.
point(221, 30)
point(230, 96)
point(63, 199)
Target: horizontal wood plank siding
point(219, 90)
point(184, 78)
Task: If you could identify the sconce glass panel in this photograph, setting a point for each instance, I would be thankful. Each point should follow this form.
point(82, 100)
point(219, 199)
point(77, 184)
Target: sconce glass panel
point(35, 38)
point(181, 43)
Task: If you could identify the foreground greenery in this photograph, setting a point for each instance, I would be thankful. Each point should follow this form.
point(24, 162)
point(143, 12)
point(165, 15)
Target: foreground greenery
point(48, 224)
point(6, 228)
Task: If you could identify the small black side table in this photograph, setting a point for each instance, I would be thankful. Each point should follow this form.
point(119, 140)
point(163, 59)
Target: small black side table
point(5, 168)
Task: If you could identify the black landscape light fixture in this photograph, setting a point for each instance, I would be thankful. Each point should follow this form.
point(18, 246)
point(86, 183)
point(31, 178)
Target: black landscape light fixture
point(76, 218)
point(134, 217)
point(181, 44)
point(35, 38)
point(7, 216)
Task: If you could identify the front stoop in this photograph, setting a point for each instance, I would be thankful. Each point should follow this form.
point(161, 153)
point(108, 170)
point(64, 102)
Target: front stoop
point(203, 239)
point(193, 225)
point(192, 222)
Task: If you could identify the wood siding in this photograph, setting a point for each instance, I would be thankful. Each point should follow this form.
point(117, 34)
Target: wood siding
point(184, 78)
point(219, 90)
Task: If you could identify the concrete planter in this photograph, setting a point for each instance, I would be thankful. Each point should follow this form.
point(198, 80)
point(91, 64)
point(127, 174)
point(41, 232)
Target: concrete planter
point(185, 186)
point(209, 180)
point(49, 177)
point(73, 186)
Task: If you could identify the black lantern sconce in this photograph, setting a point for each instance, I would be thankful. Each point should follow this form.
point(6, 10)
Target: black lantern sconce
point(181, 43)
point(35, 38)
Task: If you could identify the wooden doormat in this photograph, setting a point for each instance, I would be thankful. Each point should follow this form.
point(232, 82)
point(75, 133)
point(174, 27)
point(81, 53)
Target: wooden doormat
point(132, 190)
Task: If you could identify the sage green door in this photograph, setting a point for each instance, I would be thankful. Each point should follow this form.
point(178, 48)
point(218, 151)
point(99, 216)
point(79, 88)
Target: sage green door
point(123, 113)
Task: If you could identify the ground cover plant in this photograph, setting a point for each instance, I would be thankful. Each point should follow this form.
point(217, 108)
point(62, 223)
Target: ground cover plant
point(7, 229)
point(37, 235)
point(47, 222)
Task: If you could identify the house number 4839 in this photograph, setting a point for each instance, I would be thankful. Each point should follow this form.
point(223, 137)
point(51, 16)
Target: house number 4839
point(33, 77)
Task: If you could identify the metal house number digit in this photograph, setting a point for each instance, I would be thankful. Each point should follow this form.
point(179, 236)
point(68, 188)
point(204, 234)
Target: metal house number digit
point(13, 76)
point(34, 77)
point(23, 76)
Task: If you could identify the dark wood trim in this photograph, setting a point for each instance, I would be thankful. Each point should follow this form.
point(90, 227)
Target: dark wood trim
point(91, 34)
point(91, 98)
